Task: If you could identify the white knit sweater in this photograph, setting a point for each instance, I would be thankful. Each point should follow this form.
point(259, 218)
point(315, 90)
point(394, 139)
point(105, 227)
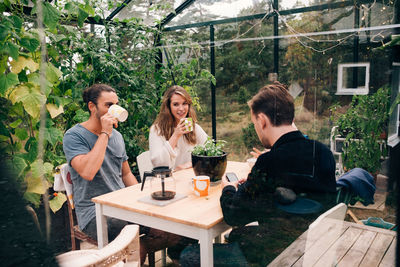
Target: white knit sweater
point(162, 154)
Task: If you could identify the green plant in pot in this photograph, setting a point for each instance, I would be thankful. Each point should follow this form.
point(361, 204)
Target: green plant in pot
point(362, 126)
point(210, 159)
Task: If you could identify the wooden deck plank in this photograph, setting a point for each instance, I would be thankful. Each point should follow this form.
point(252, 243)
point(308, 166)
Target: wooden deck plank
point(352, 248)
point(296, 250)
point(377, 250)
point(340, 248)
point(379, 203)
point(389, 259)
point(356, 253)
point(330, 233)
point(292, 253)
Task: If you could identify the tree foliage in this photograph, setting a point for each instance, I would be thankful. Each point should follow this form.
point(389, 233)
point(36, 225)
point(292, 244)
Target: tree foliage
point(120, 54)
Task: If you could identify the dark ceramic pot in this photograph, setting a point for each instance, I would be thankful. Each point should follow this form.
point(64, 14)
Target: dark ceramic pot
point(212, 166)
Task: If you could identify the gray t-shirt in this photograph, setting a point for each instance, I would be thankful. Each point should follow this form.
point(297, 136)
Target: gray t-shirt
point(78, 141)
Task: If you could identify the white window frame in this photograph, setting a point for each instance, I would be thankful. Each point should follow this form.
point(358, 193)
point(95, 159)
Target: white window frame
point(363, 90)
point(393, 137)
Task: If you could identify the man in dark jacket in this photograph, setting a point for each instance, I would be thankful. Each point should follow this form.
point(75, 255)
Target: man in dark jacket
point(294, 162)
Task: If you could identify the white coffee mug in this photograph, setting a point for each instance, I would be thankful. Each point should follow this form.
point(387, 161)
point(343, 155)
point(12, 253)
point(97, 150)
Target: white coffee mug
point(118, 112)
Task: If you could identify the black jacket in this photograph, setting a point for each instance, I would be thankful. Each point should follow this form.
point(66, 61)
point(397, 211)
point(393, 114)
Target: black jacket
point(295, 162)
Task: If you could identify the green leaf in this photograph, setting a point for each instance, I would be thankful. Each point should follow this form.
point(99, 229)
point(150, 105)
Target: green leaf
point(31, 146)
point(53, 74)
point(19, 165)
point(18, 65)
point(3, 63)
point(4, 32)
point(3, 130)
point(35, 79)
point(57, 202)
point(70, 7)
point(81, 115)
point(53, 135)
point(17, 22)
point(37, 168)
point(7, 81)
point(50, 15)
point(11, 49)
point(30, 43)
point(15, 123)
point(33, 198)
point(48, 168)
point(35, 184)
point(54, 110)
point(22, 77)
point(21, 133)
point(40, 169)
point(82, 15)
point(30, 97)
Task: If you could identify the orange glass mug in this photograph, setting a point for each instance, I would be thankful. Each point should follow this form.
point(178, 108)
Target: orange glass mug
point(201, 185)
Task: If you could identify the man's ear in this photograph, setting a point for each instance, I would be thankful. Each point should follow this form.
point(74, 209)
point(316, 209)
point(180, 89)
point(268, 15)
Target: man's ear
point(263, 119)
point(91, 106)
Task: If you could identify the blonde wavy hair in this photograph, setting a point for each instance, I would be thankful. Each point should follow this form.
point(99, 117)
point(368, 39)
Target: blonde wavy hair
point(165, 121)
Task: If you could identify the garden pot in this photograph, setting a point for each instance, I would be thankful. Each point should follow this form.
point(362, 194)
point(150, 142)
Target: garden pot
point(212, 166)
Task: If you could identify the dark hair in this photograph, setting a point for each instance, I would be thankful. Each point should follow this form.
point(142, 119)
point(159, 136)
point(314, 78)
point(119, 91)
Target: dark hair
point(275, 102)
point(165, 122)
point(93, 92)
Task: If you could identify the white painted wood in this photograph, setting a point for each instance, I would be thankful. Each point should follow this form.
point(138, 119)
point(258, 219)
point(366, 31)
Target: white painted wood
point(362, 90)
point(337, 213)
point(330, 225)
point(206, 248)
point(101, 224)
point(144, 163)
point(123, 251)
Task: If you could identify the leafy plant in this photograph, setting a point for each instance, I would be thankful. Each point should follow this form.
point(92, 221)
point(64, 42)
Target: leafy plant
point(249, 137)
point(120, 54)
point(210, 148)
point(362, 125)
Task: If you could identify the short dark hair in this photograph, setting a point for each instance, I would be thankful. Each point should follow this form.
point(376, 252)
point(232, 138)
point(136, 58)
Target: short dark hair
point(275, 102)
point(93, 92)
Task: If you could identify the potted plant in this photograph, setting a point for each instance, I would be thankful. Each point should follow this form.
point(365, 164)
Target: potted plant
point(210, 159)
point(361, 127)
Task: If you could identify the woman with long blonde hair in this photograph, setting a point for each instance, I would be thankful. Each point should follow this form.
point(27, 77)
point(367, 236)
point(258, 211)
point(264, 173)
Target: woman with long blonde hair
point(170, 140)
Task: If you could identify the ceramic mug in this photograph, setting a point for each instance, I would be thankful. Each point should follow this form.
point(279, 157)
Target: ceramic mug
point(201, 185)
point(189, 124)
point(118, 112)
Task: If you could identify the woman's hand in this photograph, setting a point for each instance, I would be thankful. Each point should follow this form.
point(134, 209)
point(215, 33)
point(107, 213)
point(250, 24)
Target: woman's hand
point(181, 129)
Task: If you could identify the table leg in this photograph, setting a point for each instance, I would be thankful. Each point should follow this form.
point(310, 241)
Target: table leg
point(101, 224)
point(206, 249)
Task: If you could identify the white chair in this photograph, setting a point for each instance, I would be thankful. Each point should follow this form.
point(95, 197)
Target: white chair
point(144, 163)
point(123, 251)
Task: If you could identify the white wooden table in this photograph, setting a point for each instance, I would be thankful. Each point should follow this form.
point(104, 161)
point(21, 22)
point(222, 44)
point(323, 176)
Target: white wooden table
point(195, 217)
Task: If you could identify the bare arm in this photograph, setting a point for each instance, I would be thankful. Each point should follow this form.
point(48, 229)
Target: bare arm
point(87, 165)
point(127, 176)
